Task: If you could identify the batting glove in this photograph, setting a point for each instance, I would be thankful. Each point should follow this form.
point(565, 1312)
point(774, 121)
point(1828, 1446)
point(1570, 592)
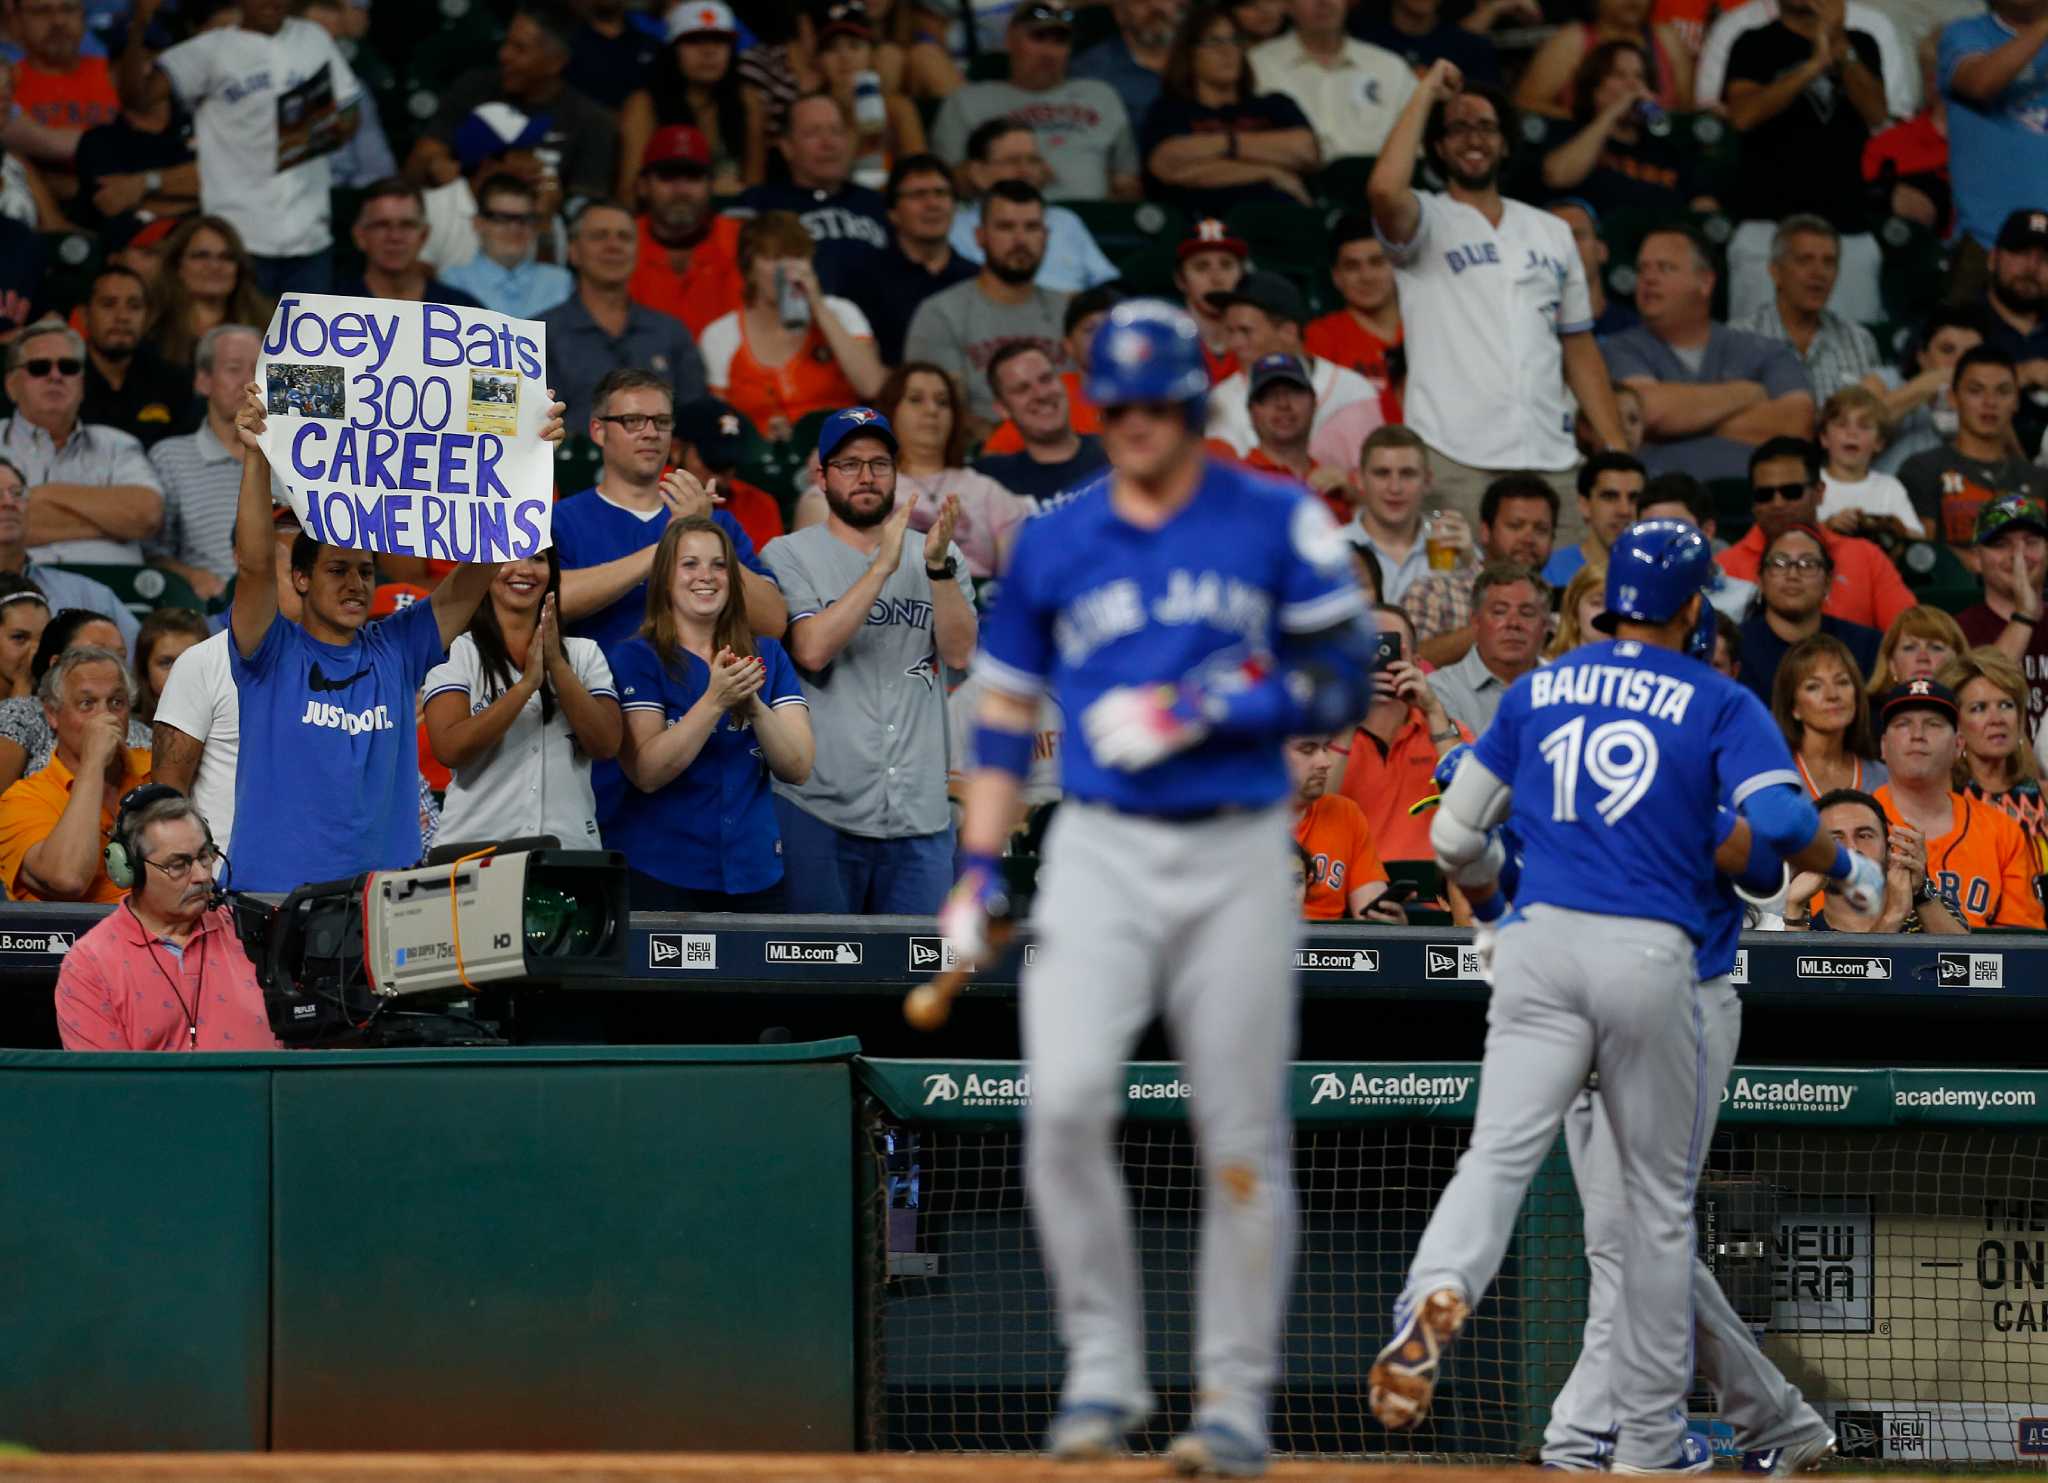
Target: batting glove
point(1862, 890)
point(978, 895)
point(1134, 727)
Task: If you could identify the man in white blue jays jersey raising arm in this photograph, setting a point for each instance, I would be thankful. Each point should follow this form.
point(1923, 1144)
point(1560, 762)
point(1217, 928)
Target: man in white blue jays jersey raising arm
point(1609, 767)
point(1188, 615)
point(1498, 312)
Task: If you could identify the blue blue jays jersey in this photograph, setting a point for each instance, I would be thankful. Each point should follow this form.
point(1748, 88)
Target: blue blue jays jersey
point(1093, 602)
point(1618, 755)
point(1720, 908)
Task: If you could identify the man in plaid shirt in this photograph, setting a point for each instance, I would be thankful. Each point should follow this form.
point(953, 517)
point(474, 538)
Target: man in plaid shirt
point(1517, 518)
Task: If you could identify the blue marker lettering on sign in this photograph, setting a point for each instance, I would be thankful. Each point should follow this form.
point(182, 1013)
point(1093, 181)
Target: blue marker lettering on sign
point(351, 333)
point(444, 342)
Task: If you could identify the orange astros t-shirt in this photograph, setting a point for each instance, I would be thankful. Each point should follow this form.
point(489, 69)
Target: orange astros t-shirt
point(1334, 832)
point(1984, 866)
point(706, 290)
point(1339, 337)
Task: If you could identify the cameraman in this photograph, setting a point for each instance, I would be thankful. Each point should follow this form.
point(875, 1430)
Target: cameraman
point(163, 936)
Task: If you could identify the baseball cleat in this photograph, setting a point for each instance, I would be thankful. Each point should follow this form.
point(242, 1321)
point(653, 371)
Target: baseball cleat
point(1404, 1376)
point(1090, 1431)
point(1695, 1455)
point(1213, 1450)
point(1801, 1457)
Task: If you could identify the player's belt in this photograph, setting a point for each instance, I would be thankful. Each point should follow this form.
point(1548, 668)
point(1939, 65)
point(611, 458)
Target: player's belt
point(1166, 815)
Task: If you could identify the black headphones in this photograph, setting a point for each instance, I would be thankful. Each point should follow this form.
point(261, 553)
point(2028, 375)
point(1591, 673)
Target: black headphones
point(124, 859)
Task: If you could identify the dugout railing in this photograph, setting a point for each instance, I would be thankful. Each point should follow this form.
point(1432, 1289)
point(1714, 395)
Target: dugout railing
point(1883, 1231)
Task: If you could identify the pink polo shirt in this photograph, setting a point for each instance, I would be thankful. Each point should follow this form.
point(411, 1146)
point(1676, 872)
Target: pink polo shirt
point(115, 990)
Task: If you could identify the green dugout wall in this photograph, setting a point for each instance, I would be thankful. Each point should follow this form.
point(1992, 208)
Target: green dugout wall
point(485, 1249)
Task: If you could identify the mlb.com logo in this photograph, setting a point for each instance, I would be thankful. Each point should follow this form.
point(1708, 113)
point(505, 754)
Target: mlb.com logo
point(931, 955)
point(833, 954)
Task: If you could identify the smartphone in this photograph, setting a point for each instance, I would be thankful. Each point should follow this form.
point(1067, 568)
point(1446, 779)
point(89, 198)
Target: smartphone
point(1387, 647)
point(1402, 892)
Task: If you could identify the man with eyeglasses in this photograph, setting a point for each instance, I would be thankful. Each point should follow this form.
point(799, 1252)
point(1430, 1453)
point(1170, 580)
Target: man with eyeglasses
point(921, 261)
point(92, 496)
point(1497, 315)
point(606, 535)
point(167, 936)
point(599, 328)
point(1086, 136)
point(875, 619)
point(54, 823)
point(505, 274)
point(391, 229)
point(1785, 484)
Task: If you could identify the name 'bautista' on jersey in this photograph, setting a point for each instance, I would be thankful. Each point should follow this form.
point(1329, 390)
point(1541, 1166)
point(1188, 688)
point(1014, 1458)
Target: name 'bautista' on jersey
point(1660, 696)
point(1618, 756)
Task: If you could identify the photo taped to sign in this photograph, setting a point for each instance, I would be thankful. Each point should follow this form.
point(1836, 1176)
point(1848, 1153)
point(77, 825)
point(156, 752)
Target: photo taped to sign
point(410, 429)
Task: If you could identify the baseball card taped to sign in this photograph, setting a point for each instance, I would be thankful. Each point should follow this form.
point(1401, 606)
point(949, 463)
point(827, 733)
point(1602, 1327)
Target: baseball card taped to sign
point(410, 429)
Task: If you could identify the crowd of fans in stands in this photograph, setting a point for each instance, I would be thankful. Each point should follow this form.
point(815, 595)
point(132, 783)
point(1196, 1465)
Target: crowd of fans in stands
point(1491, 281)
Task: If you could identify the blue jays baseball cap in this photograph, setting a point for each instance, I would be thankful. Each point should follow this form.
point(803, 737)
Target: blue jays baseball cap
point(1278, 368)
point(853, 422)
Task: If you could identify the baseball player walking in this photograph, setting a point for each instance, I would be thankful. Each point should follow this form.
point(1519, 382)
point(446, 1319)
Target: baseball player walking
point(1190, 614)
point(1608, 766)
point(1772, 1421)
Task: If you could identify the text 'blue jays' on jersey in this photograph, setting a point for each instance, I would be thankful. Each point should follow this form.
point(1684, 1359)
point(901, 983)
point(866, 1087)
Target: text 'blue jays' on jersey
point(1618, 755)
point(1093, 602)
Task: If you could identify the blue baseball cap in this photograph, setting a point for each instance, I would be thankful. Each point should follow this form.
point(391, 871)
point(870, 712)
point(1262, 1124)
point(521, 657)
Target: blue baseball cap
point(853, 422)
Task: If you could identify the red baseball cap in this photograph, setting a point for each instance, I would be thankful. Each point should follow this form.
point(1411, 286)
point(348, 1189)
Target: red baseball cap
point(677, 145)
point(1210, 235)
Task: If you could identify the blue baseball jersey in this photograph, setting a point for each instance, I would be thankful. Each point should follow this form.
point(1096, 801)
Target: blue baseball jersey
point(1093, 603)
point(1721, 907)
point(590, 530)
point(1618, 755)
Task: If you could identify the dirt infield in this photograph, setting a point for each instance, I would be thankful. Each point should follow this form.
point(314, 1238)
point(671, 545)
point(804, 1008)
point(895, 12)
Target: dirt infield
point(666, 1468)
point(286, 1467)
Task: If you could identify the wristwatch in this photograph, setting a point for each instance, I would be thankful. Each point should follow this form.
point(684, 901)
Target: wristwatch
point(944, 573)
point(152, 181)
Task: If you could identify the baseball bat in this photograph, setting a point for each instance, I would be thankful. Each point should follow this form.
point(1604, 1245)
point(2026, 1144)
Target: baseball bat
point(928, 1006)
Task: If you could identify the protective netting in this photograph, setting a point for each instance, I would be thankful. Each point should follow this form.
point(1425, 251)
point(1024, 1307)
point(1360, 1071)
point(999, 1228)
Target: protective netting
point(1897, 1277)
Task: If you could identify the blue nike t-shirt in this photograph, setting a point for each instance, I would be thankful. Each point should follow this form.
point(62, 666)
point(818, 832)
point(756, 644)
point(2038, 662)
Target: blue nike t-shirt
point(328, 782)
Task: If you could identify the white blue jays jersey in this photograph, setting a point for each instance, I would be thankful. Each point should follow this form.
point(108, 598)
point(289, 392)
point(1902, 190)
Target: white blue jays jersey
point(1093, 602)
point(1618, 755)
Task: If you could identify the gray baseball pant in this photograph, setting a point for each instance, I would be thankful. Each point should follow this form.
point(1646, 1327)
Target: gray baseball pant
point(1136, 916)
point(1765, 1409)
point(1573, 991)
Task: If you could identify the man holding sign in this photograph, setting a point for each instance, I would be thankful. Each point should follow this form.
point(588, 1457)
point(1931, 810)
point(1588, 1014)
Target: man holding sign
point(374, 458)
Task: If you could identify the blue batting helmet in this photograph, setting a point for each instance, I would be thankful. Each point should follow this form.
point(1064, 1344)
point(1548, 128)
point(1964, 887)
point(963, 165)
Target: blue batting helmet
point(1699, 644)
point(1146, 351)
point(1651, 571)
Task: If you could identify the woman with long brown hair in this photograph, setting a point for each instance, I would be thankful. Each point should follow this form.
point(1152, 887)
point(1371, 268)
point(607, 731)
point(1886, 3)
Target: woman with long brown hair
point(1820, 704)
point(518, 713)
point(207, 279)
point(711, 714)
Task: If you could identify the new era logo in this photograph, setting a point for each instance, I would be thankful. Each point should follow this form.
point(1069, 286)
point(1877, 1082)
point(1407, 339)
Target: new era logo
point(1440, 962)
point(929, 955)
point(681, 951)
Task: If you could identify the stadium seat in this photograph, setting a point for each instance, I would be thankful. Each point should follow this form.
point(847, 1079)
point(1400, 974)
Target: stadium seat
point(143, 589)
point(1938, 577)
point(1340, 184)
point(1914, 269)
point(1123, 229)
point(71, 259)
point(577, 463)
point(989, 66)
point(1734, 508)
point(1283, 238)
point(1713, 144)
